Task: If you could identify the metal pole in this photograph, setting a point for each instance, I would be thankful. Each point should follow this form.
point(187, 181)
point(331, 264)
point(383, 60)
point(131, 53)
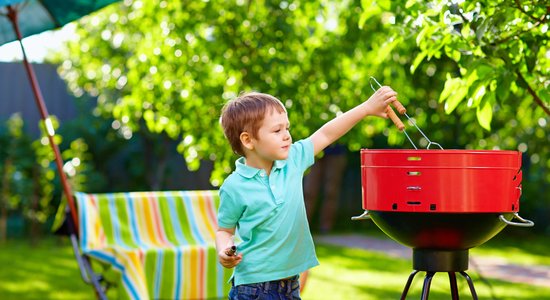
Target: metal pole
point(12, 15)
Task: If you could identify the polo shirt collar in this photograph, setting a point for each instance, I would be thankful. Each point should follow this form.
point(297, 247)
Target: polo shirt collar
point(249, 172)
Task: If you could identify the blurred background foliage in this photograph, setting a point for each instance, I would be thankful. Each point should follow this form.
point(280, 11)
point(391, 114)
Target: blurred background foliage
point(29, 183)
point(472, 74)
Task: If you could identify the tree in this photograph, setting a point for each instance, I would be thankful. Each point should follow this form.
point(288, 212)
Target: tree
point(500, 48)
point(14, 181)
point(169, 66)
point(27, 174)
point(170, 70)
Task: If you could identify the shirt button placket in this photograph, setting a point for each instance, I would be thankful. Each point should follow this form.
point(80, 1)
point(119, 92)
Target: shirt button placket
point(273, 187)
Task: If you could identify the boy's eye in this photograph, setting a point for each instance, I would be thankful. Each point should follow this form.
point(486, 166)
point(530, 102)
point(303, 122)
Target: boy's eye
point(281, 129)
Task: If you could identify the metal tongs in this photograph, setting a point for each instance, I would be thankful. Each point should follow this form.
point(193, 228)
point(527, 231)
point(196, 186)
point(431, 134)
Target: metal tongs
point(402, 110)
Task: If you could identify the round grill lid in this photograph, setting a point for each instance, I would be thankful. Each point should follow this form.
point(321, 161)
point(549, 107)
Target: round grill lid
point(443, 181)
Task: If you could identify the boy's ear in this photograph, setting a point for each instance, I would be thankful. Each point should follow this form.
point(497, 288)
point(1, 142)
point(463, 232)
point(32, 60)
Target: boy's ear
point(246, 140)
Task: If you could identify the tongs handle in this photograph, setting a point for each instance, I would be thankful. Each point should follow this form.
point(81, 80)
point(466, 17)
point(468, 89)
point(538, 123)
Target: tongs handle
point(389, 111)
point(400, 108)
point(393, 116)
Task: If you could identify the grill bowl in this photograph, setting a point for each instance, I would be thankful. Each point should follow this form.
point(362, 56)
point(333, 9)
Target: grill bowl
point(441, 199)
point(438, 231)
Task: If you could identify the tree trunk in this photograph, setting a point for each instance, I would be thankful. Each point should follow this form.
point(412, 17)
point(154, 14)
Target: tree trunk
point(34, 208)
point(3, 224)
point(155, 158)
point(162, 161)
point(4, 193)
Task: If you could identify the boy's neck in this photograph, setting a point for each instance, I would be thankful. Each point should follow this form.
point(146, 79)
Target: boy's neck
point(256, 162)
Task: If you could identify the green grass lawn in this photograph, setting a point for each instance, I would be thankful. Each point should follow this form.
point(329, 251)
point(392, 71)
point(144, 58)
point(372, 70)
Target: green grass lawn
point(357, 274)
point(49, 271)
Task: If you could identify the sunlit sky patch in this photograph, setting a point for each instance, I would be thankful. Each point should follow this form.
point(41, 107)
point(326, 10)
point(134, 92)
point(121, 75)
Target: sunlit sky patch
point(36, 46)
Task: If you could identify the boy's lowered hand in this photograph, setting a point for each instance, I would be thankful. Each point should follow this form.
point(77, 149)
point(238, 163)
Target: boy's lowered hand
point(228, 258)
point(227, 254)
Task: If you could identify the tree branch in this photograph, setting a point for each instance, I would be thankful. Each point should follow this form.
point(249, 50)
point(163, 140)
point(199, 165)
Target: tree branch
point(537, 99)
point(538, 22)
point(513, 35)
point(542, 19)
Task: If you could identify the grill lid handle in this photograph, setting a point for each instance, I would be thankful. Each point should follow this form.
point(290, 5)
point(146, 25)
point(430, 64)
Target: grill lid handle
point(525, 223)
point(363, 216)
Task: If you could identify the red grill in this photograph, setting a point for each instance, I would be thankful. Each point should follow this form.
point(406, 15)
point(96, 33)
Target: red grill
point(441, 203)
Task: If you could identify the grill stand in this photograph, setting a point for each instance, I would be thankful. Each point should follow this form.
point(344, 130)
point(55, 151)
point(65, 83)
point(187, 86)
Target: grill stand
point(433, 261)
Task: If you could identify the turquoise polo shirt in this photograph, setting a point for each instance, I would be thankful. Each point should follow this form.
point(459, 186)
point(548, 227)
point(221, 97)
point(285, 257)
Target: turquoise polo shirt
point(270, 217)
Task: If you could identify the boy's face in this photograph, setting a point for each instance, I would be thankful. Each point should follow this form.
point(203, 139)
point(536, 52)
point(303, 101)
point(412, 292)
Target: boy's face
point(274, 140)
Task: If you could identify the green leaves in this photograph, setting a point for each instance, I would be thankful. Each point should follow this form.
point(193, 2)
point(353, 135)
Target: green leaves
point(28, 171)
point(484, 112)
point(177, 66)
point(490, 40)
point(453, 93)
point(370, 9)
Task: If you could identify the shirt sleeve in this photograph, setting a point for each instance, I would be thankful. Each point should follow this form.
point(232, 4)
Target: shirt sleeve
point(302, 154)
point(228, 212)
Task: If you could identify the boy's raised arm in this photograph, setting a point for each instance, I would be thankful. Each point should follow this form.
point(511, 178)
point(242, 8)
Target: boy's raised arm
point(337, 127)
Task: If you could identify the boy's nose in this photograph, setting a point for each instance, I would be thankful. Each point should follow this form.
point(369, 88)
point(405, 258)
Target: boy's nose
point(287, 135)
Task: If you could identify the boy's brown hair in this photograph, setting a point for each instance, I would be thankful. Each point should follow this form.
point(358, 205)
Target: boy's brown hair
point(245, 114)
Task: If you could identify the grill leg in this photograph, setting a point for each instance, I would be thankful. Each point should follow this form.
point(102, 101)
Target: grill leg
point(408, 285)
point(454, 289)
point(426, 287)
point(428, 282)
point(470, 284)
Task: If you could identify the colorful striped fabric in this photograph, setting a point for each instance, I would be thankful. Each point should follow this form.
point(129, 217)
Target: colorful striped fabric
point(162, 243)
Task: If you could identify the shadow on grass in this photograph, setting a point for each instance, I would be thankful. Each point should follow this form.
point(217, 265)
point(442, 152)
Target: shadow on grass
point(518, 246)
point(47, 271)
point(347, 273)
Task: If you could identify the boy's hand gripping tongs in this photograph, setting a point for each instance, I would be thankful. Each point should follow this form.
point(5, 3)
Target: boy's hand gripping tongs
point(395, 119)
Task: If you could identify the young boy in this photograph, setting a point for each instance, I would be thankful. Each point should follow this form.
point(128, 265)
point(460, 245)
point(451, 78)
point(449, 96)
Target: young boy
point(263, 198)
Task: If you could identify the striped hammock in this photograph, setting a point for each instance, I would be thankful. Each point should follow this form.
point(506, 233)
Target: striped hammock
point(162, 243)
